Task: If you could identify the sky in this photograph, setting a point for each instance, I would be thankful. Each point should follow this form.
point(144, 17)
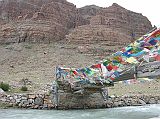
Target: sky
point(149, 8)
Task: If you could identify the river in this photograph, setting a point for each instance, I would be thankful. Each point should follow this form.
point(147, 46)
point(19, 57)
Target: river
point(139, 112)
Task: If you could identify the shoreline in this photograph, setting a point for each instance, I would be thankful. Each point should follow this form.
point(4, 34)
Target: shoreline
point(46, 102)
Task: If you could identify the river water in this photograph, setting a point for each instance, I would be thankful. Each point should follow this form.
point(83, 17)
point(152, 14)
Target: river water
point(140, 112)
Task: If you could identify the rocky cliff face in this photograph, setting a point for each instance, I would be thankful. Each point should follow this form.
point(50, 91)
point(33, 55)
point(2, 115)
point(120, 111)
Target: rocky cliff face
point(51, 20)
point(112, 25)
point(84, 14)
point(35, 20)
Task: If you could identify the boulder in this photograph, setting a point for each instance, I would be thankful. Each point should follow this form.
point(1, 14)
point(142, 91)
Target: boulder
point(1, 91)
point(152, 101)
point(142, 102)
point(31, 96)
point(38, 101)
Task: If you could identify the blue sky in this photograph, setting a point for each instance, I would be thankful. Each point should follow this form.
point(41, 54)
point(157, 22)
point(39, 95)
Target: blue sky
point(149, 8)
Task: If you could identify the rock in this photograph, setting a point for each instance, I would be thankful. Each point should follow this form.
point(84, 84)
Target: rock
point(15, 96)
point(86, 13)
point(11, 98)
point(41, 95)
point(118, 104)
point(25, 102)
point(24, 105)
point(30, 101)
point(31, 96)
point(3, 99)
point(25, 81)
point(1, 91)
point(19, 95)
point(45, 106)
point(50, 106)
point(11, 66)
point(24, 98)
point(36, 107)
point(152, 101)
point(145, 98)
point(18, 100)
point(38, 101)
point(142, 102)
point(158, 102)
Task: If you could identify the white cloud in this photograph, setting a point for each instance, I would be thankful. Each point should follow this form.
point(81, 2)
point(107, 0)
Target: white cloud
point(149, 8)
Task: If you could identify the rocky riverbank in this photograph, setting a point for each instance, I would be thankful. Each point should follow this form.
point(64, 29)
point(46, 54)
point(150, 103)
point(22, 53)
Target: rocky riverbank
point(30, 101)
point(43, 101)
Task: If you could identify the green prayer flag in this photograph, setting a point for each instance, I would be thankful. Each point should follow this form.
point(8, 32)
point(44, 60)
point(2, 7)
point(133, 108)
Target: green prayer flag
point(105, 63)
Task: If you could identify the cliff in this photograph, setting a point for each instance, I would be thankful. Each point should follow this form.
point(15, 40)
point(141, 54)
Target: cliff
point(112, 25)
point(51, 20)
point(35, 20)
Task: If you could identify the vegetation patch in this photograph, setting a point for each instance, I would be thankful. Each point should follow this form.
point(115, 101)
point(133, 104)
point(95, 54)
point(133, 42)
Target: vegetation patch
point(4, 86)
point(28, 46)
point(24, 88)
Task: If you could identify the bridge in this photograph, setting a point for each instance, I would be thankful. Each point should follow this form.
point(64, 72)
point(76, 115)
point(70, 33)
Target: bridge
point(140, 59)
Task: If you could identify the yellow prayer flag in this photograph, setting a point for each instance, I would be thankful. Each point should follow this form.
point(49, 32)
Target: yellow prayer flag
point(132, 60)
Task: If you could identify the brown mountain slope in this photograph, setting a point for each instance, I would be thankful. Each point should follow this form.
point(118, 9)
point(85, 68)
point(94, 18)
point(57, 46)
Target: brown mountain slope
point(114, 24)
point(35, 20)
point(50, 20)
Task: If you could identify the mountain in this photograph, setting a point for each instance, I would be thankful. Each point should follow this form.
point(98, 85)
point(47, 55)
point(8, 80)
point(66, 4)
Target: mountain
point(51, 20)
point(112, 24)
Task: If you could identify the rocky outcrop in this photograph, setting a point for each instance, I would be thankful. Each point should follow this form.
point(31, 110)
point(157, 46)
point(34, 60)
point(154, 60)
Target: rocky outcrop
point(31, 31)
point(113, 24)
point(84, 14)
point(97, 34)
point(35, 21)
point(89, 11)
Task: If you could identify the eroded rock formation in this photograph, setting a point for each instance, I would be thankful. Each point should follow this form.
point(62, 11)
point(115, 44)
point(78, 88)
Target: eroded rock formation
point(35, 20)
point(112, 25)
point(51, 20)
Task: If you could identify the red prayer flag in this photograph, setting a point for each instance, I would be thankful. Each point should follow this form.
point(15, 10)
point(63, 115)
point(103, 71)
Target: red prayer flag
point(96, 66)
point(109, 67)
point(157, 58)
point(156, 33)
point(112, 78)
point(115, 67)
point(75, 72)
